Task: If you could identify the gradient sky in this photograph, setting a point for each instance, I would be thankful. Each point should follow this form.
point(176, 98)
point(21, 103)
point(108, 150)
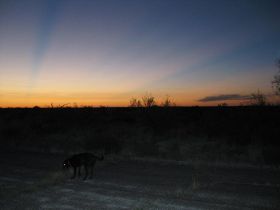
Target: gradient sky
point(106, 52)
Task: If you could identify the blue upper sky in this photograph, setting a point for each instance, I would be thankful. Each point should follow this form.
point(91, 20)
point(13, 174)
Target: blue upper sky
point(107, 51)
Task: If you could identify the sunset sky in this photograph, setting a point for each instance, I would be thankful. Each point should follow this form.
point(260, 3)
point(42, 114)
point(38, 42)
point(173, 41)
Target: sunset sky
point(109, 51)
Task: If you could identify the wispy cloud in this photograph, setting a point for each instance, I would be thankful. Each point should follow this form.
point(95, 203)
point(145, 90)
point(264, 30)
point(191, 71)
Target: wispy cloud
point(224, 97)
point(50, 10)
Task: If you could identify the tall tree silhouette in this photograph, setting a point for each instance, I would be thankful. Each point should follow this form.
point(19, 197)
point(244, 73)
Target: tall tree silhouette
point(276, 80)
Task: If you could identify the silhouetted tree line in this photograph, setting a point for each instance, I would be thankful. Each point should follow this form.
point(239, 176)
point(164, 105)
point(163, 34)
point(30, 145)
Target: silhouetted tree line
point(149, 100)
point(260, 99)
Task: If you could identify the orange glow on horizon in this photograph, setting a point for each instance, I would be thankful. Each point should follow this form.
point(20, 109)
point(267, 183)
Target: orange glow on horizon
point(56, 99)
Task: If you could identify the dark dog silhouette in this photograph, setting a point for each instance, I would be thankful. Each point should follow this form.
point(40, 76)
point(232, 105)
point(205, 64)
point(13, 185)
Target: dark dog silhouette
point(87, 160)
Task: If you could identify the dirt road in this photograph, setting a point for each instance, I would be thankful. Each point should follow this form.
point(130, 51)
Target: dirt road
point(37, 181)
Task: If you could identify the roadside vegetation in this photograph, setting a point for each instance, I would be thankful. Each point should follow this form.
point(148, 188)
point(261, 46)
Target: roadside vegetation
point(248, 134)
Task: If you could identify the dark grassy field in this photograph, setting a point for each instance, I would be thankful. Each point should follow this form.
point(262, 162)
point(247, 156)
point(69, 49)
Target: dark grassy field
point(248, 135)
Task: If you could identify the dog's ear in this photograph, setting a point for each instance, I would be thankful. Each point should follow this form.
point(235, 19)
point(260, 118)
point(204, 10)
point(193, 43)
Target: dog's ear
point(68, 163)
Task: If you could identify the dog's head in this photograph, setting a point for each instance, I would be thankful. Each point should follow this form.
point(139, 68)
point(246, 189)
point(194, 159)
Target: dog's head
point(66, 164)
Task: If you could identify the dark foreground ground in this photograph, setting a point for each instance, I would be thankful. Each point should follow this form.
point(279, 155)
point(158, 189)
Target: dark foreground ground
point(36, 181)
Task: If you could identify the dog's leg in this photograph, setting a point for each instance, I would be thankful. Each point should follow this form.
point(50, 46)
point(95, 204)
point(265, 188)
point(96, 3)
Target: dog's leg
point(74, 173)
